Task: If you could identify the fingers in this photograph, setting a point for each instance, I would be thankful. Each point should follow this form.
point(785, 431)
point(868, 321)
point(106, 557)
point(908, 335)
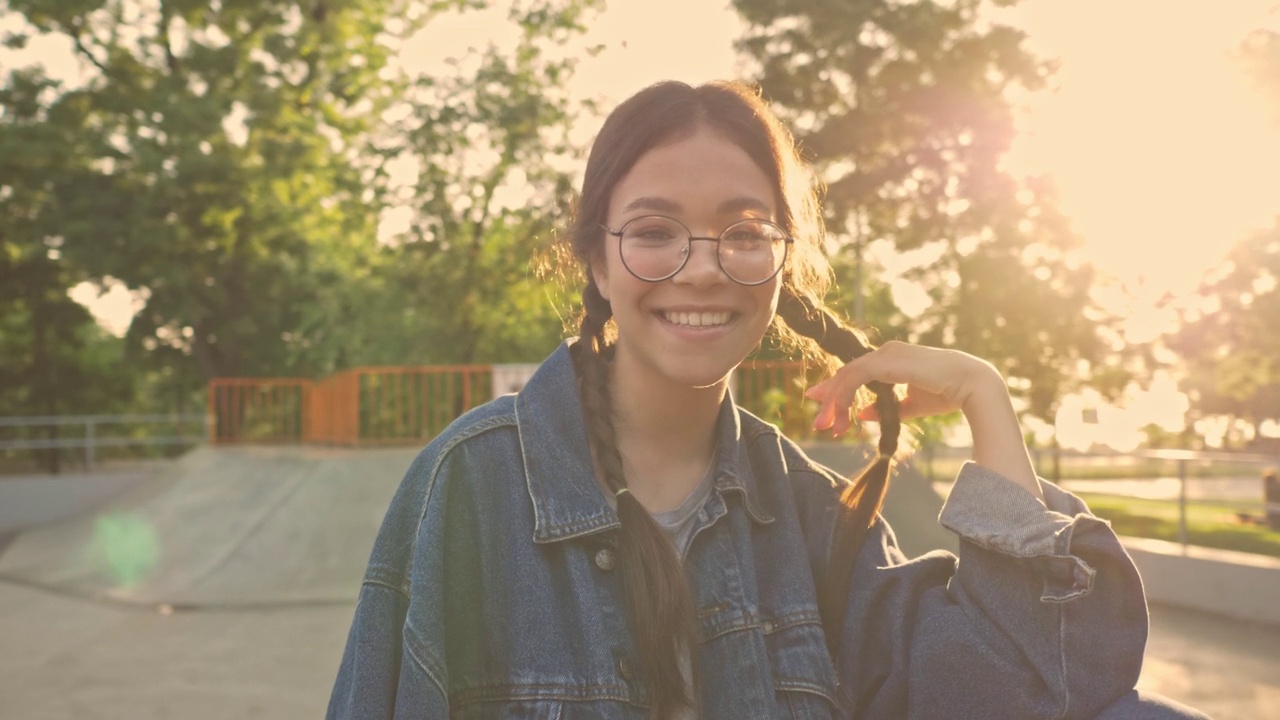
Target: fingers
point(917, 403)
point(929, 374)
point(835, 397)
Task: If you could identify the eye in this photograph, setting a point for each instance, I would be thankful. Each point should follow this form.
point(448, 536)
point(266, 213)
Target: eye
point(653, 231)
point(745, 236)
point(752, 234)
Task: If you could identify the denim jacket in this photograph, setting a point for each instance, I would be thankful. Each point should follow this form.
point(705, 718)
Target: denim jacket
point(492, 590)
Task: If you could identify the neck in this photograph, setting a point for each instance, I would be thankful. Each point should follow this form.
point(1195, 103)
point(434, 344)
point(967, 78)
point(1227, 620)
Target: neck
point(666, 433)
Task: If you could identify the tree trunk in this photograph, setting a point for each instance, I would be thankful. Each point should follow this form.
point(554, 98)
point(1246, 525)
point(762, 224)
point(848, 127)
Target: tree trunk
point(45, 383)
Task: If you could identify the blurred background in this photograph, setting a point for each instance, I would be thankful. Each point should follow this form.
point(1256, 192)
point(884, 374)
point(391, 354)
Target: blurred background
point(244, 242)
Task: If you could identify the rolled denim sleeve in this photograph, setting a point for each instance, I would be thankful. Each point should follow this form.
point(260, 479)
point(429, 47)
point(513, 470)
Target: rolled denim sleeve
point(994, 513)
point(1041, 615)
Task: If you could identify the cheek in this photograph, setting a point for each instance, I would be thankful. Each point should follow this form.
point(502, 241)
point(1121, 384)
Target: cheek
point(768, 299)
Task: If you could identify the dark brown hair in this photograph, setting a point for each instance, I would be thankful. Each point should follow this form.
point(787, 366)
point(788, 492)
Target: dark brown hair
point(659, 603)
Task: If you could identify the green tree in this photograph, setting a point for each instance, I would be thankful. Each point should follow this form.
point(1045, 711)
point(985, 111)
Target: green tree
point(491, 136)
point(1231, 342)
point(1230, 339)
point(903, 108)
point(54, 359)
point(222, 168)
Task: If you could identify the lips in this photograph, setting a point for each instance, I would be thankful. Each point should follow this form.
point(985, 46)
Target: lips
point(697, 319)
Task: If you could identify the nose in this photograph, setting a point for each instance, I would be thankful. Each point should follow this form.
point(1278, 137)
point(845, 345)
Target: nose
point(702, 266)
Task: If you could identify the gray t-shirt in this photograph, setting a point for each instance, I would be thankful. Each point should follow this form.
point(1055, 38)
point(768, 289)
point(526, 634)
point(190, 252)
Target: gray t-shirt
point(678, 524)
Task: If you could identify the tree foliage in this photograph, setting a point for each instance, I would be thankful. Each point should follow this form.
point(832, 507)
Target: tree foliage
point(1231, 343)
point(904, 109)
point(220, 166)
point(1230, 339)
point(231, 163)
point(486, 132)
point(53, 357)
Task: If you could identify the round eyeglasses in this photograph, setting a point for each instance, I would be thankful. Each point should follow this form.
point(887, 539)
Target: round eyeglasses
point(656, 247)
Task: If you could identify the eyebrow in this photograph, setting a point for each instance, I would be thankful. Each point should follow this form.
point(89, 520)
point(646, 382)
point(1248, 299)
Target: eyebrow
point(667, 205)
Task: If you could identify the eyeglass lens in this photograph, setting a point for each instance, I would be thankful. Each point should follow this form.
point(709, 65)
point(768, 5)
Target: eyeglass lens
point(656, 247)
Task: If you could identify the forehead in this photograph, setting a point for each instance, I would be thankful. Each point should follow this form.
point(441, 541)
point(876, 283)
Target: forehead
point(699, 176)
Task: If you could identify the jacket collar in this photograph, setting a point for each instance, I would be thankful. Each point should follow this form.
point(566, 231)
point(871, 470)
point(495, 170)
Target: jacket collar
point(567, 501)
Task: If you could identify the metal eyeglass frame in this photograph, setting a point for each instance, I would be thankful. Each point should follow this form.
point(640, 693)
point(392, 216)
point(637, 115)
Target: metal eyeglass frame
point(787, 240)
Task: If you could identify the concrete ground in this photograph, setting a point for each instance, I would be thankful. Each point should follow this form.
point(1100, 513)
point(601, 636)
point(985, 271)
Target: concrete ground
point(217, 590)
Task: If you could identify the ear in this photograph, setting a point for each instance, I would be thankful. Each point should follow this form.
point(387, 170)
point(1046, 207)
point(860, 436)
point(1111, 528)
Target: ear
point(599, 270)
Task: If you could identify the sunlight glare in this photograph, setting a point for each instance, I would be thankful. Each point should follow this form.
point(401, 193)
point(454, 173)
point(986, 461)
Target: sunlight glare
point(1085, 419)
point(650, 40)
point(113, 305)
point(1164, 152)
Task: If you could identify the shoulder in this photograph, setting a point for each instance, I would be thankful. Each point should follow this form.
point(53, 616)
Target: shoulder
point(487, 431)
point(487, 434)
point(473, 426)
point(483, 431)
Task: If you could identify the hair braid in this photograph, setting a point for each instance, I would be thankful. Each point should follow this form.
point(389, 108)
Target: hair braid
point(863, 498)
point(659, 603)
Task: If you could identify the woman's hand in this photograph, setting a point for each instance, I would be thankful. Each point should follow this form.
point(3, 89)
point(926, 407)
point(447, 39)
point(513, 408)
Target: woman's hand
point(937, 381)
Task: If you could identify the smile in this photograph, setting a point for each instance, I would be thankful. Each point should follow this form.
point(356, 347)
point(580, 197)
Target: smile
point(697, 319)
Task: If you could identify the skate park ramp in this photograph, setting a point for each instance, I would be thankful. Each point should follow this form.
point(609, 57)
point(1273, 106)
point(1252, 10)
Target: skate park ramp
point(284, 525)
point(222, 527)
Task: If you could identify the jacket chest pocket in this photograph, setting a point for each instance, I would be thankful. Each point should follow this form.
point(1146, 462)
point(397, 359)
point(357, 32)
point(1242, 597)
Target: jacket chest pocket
point(753, 668)
point(803, 677)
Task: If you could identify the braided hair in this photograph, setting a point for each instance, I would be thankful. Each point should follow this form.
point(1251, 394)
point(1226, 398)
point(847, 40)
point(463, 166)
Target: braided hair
point(659, 603)
point(862, 499)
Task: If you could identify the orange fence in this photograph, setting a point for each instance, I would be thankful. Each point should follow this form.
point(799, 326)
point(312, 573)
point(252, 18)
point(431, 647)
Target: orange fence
point(414, 404)
point(335, 410)
point(259, 410)
point(365, 406)
point(411, 405)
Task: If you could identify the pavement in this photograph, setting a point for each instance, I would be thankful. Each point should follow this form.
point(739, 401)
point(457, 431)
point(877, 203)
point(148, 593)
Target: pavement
point(223, 587)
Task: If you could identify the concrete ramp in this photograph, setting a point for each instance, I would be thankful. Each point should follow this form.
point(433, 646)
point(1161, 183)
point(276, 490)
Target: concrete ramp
point(230, 527)
point(262, 526)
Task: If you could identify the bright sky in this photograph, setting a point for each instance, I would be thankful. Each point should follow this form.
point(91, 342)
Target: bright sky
point(1163, 152)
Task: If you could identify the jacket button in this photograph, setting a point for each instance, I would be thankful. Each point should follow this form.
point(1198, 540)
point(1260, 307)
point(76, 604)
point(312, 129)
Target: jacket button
point(605, 559)
point(624, 669)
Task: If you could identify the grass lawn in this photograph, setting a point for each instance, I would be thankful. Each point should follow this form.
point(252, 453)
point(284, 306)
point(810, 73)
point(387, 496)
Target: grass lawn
point(1213, 525)
point(1094, 468)
point(1209, 523)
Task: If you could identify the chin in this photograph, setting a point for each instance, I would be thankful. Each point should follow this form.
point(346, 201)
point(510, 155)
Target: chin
point(701, 376)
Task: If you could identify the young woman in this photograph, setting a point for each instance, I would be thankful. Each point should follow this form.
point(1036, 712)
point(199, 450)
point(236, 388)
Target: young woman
point(619, 540)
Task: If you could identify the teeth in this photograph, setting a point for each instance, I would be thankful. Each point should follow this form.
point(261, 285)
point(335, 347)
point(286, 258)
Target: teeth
point(697, 319)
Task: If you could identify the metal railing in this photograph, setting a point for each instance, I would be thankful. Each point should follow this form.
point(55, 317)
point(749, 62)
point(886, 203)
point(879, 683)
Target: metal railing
point(1184, 459)
point(90, 433)
point(262, 410)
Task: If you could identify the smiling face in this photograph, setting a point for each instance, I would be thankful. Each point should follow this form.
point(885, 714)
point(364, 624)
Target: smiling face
point(692, 329)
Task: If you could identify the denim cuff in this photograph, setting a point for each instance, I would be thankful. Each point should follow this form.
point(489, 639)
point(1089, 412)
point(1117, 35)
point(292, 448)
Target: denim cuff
point(997, 514)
